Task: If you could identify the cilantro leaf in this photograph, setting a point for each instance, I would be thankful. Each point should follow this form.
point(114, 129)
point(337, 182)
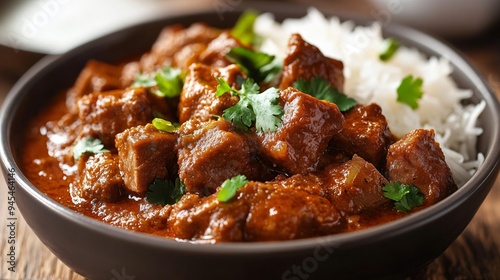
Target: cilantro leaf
point(391, 46)
point(259, 66)
point(410, 91)
point(270, 119)
point(253, 107)
point(88, 145)
point(163, 125)
point(230, 186)
point(240, 115)
point(405, 197)
point(248, 87)
point(321, 89)
point(243, 29)
point(223, 87)
point(143, 80)
point(167, 82)
point(165, 191)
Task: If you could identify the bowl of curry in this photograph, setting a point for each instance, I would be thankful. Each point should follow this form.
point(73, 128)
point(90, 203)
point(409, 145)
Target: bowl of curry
point(174, 149)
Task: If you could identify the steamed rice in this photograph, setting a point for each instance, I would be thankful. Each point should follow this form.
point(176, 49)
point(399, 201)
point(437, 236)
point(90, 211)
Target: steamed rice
point(370, 80)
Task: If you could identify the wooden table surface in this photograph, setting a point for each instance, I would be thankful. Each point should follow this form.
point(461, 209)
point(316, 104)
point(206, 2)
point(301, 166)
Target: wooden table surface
point(474, 255)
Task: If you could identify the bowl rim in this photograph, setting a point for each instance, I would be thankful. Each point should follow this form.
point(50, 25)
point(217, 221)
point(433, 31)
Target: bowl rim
point(488, 169)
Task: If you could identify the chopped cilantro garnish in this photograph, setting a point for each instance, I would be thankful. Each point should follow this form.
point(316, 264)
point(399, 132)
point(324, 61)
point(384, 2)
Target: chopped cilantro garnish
point(165, 192)
point(391, 46)
point(243, 29)
point(321, 89)
point(405, 196)
point(167, 82)
point(163, 125)
point(223, 88)
point(259, 66)
point(230, 186)
point(253, 107)
point(410, 91)
point(88, 145)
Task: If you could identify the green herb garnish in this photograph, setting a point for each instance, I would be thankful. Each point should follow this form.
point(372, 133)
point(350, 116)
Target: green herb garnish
point(163, 125)
point(405, 197)
point(165, 191)
point(88, 145)
point(167, 82)
point(259, 66)
point(321, 89)
point(230, 186)
point(391, 46)
point(243, 29)
point(410, 91)
point(261, 108)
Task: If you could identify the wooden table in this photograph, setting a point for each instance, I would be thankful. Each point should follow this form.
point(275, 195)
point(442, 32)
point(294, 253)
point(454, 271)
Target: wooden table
point(474, 255)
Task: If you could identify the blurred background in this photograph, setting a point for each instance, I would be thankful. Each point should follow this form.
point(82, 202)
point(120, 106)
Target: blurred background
point(31, 29)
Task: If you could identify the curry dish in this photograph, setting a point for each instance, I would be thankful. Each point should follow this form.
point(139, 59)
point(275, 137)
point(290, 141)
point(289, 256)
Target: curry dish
point(192, 141)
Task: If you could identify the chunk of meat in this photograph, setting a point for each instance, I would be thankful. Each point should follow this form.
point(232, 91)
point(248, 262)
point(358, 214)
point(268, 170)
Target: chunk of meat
point(145, 154)
point(207, 219)
point(306, 61)
point(308, 124)
point(354, 186)
point(130, 71)
point(215, 53)
point(366, 133)
point(310, 183)
point(188, 55)
point(105, 114)
point(198, 99)
point(211, 152)
point(417, 159)
point(99, 178)
point(96, 76)
point(165, 107)
point(171, 40)
point(259, 212)
point(279, 213)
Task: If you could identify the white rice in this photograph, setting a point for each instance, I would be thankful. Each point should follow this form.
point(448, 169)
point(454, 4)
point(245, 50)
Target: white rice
point(370, 80)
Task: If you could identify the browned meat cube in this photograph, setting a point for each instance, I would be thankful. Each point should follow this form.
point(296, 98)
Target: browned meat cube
point(310, 183)
point(281, 213)
point(417, 159)
point(306, 61)
point(212, 53)
point(145, 154)
point(198, 97)
point(171, 40)
point(354, 186)
point(95, 77)
point(130, 71)
point(259, 212)
point(165, 107)
point(105, 114)
point(207, 219)
point(188, 55)
point(211, 152)
point(365, 133)
point(308, 124)
point(215, 54)
point(99, 178)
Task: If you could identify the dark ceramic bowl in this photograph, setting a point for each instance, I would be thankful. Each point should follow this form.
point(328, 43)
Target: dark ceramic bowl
point(100, 251)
